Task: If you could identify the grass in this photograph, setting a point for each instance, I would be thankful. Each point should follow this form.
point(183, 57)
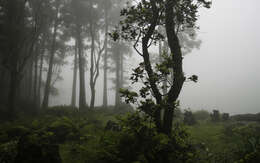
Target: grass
point(210, 134)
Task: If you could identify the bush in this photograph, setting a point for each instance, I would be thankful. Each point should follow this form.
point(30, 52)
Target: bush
point(215, 116)
point(201, 115)
point(246, 139)
point(189, 119)
point(140, 142)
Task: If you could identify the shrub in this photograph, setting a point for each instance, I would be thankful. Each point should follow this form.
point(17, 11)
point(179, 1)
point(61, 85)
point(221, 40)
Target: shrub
point(215, 116)
point(140, 142)
point(189, 119)
point(201, 115)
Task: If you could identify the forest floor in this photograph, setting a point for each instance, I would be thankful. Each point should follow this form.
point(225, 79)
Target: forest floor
point(78, 135)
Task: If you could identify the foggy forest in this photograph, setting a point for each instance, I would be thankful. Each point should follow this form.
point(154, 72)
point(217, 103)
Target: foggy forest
point(129, 81)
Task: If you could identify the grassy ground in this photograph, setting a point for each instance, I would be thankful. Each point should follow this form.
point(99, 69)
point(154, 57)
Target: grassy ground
point(211, 134)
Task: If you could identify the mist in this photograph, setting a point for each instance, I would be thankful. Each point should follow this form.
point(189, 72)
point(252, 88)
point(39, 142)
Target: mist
point(121, 81)
point(226, 63)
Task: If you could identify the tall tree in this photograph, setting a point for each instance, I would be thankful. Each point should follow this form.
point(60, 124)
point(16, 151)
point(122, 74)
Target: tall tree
point(141, 26)
point(76, 19)
point(20, 31)
point(75, 70)
point(56, 21)
point(118, 52)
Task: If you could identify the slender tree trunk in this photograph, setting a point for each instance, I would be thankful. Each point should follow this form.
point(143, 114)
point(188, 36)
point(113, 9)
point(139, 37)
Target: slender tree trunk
point(82, 89)
point(39, 94)
point(117, 96)
point(165, 51)
point(45, 102)
point(121, 71)
point(105, 64)
point(74, 84)
point(35, 79)
point(29, 82)
point(92, 84)
point(12, 97)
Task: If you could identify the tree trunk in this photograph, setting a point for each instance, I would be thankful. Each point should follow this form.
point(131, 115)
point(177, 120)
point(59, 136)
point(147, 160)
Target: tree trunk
point(105, 63)
point(40, 81)
point(92, 84)
point(82, 89)
point(12, 97)
point(121, 71)
point(179, 78)
point(74, 84)
point(117, 96)
point(35, 79)
point(45, 102)
point(165, 51)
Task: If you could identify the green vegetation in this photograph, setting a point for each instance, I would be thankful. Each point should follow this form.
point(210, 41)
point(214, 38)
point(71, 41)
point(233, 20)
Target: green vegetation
point(62, 134)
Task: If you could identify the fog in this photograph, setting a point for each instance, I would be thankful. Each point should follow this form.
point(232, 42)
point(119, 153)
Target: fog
point(91, 80)
point(227, 62)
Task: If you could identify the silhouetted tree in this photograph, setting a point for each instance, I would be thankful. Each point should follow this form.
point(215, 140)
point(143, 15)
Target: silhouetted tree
point(141, 26)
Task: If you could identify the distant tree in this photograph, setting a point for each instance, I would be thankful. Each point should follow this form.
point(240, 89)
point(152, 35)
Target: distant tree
point(118, 53)
point(96, 28)
point(56, 21)
point(225, 116)
point(189, 118)
point(76, 20)
point(215, 116)
point(112, 16)
point(201, 115)
point(22, 24)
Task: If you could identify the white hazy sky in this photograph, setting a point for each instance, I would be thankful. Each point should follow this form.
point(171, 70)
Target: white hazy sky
point(227, 62)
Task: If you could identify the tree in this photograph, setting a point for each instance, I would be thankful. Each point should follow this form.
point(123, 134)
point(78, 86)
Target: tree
point(118, 51)
point(215, 116)
point(57, 6)
point(76, 22)
point(22, 25)
point(140, 25)
point(189, 118)
point(112, 16)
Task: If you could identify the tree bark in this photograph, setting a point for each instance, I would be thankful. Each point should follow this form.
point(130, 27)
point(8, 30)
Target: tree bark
point(82, 89)
point(92, 84)
point(12, 97)
point(75, 71)
point(176, 55)
point(117, 97)
point(45, 102)
point(105, 63)
point(39, 94)
point(35, 78)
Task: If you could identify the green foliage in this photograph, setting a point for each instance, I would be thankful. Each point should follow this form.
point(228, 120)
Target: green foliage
point(215, 116)
point(201, 115)
point(140, 142)
point(7, 151)
point(189, 118)
point(246, 138)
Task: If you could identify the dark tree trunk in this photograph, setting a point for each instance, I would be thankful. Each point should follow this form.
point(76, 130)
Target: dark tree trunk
point(12, 97)
point(117, 96)
point(121, 72)
point(35, 85)
point(92, 84)
point(82, 89)
point(40, 81)
point(45, 102)
point(179, 78)
point(29, 82)
point(75, 71)
point(105, 64)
